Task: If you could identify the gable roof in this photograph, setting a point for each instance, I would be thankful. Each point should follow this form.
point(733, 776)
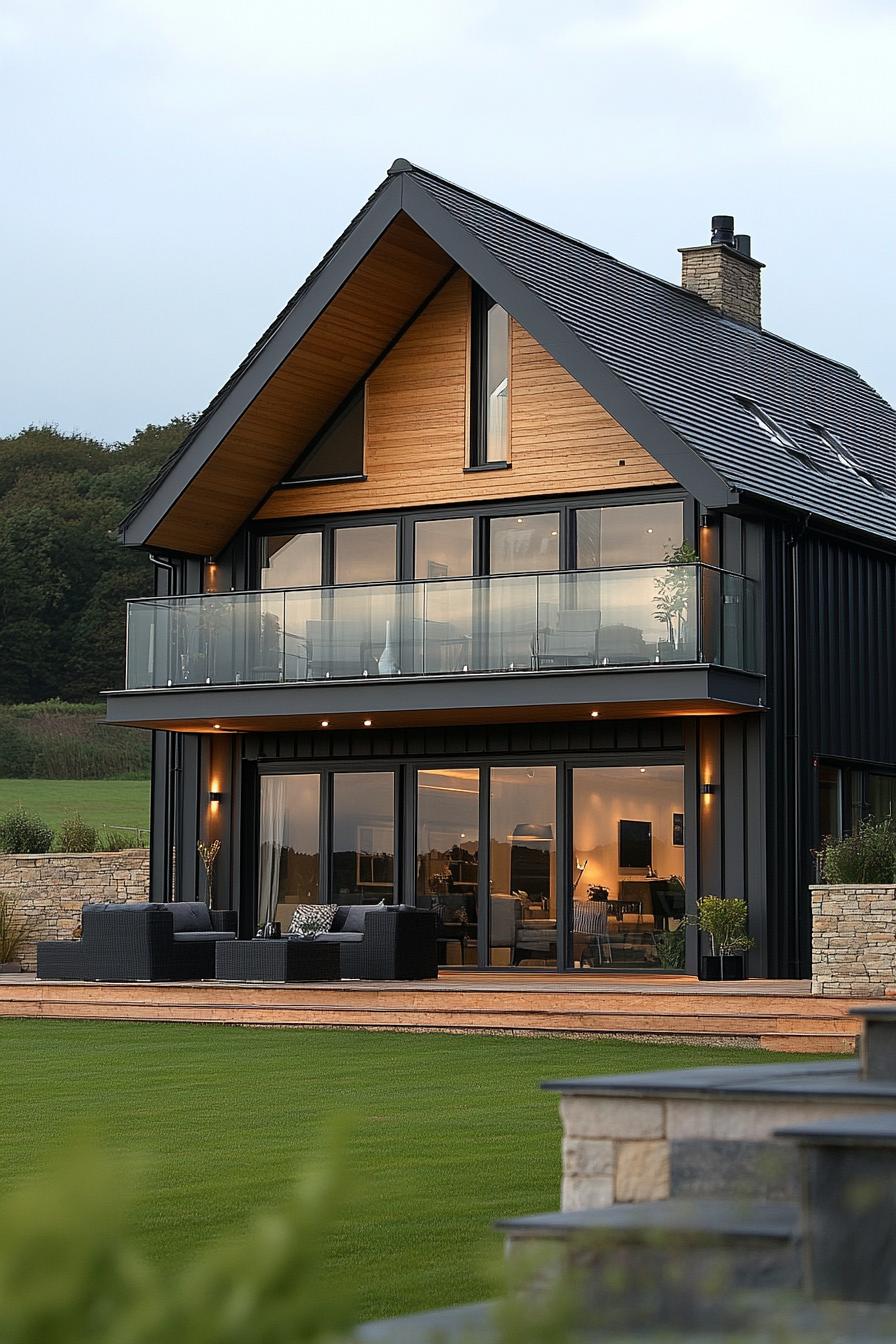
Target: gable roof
point(666, 365)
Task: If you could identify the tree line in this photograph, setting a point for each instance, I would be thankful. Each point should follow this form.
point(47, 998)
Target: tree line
point(64, 576)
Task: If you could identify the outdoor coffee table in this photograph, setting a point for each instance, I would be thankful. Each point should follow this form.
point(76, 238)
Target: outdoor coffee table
point(277, 959)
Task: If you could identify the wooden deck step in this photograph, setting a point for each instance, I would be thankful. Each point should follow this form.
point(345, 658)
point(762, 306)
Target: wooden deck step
point(774, 1020)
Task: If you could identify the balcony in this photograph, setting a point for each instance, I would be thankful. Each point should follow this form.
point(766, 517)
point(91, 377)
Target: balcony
point(543, 627)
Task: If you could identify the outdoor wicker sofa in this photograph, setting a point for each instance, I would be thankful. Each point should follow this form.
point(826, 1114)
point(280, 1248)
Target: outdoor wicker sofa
point(140, 941)
point(384, 942)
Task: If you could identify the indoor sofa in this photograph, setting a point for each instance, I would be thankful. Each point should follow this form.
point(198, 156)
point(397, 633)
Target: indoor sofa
point(147, 940)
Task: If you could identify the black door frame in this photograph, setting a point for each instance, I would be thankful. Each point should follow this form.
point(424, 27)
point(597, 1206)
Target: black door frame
point(405, 771)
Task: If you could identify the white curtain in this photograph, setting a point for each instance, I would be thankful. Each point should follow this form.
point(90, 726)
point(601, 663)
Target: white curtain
point(272, 840)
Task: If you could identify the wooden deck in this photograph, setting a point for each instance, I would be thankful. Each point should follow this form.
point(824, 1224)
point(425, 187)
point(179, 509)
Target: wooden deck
point(776, 1015)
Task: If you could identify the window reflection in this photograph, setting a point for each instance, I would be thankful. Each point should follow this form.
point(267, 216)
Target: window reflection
point(363, 827)
point(628, 534)
point(443, 548)
point(523, 543)
point(365, 554)
point(292, 560)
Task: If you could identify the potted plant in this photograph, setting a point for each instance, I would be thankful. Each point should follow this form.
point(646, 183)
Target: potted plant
point(724, 923)
point(15, 930)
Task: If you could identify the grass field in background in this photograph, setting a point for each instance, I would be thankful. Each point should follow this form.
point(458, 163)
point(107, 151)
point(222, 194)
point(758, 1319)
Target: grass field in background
point(101, 802)
point(445, 1134)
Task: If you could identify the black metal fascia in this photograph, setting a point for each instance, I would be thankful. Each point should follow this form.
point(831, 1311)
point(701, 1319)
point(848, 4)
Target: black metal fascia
point(252, 380)
point(665, 685)
point(683, 462)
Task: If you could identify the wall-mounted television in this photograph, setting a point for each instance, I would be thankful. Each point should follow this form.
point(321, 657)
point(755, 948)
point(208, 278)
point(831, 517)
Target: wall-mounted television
point(635, 846)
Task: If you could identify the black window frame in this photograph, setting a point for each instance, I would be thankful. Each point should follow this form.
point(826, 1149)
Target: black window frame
point(482, 512)
point(481, 304)
point(357, 394)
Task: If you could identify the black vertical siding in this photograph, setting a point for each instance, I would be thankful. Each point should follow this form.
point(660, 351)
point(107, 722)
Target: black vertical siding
point(849, 636)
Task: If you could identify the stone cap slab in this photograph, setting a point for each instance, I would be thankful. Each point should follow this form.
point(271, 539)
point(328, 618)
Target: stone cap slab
point(825, 1080)
point(876, 1012)
point(856, 1131)
point(709, 1219)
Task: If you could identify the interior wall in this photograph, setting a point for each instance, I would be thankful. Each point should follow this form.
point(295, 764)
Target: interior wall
point(604, 795)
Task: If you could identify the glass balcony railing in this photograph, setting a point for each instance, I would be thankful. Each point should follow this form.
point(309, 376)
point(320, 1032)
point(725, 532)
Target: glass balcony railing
point(640, 615)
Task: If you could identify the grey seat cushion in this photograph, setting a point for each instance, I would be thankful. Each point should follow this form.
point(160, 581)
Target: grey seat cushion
point(190, 916)
point(204, 936)
point(341, 937)
point(355, 917)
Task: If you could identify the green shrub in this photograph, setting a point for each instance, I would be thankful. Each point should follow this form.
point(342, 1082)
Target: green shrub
point(16, 751)
point(110, 841)
point(670, 947)
point(868, 855)
point(72, 1268)
point(15, 928)
point(57, 740)
point(76, 836)
point(21, 832)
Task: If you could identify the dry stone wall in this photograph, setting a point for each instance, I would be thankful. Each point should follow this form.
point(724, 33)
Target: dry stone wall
point(854, 940)
point(51, 888)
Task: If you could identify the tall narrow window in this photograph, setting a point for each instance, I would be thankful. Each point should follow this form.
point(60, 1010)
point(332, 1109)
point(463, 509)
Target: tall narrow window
point(490, 430)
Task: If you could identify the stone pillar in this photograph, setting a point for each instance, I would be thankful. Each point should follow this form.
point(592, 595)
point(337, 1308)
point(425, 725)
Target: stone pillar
point(854, 940)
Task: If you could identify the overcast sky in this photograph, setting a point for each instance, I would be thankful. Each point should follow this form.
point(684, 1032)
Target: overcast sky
point(172, 169)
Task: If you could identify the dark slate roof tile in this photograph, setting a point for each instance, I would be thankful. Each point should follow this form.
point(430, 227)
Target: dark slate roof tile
point(689, 364)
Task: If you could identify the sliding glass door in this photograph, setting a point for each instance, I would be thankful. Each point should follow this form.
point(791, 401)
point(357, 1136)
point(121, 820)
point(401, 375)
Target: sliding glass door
point(523, 866)
point(289, 846)
point(532, 866)
point(447, 859)
point(627, 889)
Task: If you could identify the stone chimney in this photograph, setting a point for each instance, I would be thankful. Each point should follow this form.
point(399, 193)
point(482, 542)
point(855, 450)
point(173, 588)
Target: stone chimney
point(723, 272)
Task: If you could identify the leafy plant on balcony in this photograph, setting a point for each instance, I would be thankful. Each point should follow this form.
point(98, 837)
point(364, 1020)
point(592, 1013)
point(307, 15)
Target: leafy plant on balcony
point(673, 590)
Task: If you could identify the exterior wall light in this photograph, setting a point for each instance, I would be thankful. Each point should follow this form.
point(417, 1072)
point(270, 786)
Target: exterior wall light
point(215, 796)
point(708, 789)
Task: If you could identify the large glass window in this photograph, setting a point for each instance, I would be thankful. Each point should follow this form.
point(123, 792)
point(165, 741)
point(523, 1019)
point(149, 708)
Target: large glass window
point(289, 846)
point(290, 560)
point(882, 796)
point(627, 864)
point(523, 543)
point(443, 548)
point(523, 874)
point(447, 879)
point(338, 451)
point(363, 831)
point(628, 534)
point(365, 554)
point(491, 382)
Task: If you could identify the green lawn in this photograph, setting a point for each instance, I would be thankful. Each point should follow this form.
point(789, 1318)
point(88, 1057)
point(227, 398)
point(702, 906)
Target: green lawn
point(102, 802)
point(447, 1133)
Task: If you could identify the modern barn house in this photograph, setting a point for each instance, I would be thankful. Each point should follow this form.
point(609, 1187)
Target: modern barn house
point(506, 580)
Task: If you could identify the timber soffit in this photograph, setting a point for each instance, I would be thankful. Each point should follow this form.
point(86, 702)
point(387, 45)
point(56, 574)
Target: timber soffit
point(661, 360)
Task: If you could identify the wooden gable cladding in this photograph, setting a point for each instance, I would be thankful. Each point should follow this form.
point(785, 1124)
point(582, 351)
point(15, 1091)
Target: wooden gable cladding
point(382, 294)
point(417, 428)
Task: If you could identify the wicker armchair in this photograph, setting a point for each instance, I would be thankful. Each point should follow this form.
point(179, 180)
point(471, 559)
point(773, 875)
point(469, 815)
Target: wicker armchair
point(140, 941)
point(384, 942)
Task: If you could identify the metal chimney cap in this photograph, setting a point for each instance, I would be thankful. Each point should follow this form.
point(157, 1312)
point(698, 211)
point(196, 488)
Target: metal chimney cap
point(723, 229)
